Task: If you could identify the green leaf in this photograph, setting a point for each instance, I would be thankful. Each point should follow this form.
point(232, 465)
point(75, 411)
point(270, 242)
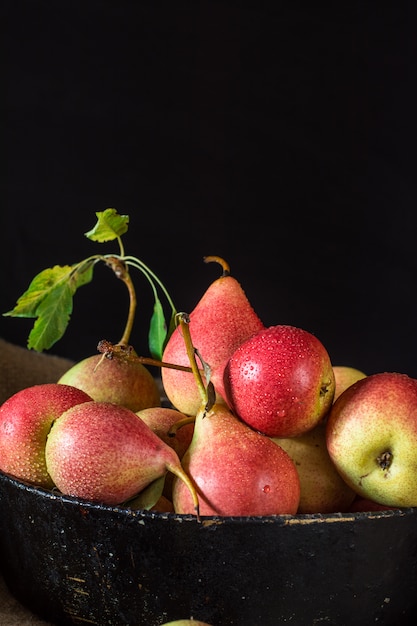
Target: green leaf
point(42, 284)
point(82, 274)
point(110, 226)
point(49, 299)
point(157, 331)
point(53, 316)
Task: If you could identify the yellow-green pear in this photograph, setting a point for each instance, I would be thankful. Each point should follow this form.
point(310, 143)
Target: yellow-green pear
point(371, 436)
point(121, 379)
point(345, 375)
point(322, 489)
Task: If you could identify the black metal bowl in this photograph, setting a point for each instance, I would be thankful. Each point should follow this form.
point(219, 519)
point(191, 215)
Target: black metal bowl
point(75, 562)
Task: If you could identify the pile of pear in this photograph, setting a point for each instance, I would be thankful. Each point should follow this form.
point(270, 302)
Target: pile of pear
point(256, 421)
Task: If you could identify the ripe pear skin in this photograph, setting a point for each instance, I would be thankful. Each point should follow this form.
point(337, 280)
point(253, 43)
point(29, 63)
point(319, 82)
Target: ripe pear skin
point(345, 376)
point(237, 471)
point(371, 435)
point(322, 488)
point(219, 323)
point(280, 381)
point(25, 421)
point(160, 419)
point(120, 379)
point(105, 453)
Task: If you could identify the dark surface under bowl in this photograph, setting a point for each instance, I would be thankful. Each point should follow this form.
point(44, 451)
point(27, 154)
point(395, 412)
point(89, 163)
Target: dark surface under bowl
point(74, 562)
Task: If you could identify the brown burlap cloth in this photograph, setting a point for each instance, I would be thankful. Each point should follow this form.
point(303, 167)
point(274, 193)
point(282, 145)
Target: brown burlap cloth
point(20, 368)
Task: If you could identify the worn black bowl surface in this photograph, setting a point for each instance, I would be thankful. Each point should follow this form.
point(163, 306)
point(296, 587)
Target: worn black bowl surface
point(73, 562)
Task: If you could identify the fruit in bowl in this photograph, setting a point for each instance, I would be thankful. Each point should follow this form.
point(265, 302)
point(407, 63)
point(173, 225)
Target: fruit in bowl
point(280, 381)
point(322, 488)
point(116, 377)
point(70, 560)
point(104, 452)
point(221, 320)
point(25, 421)
point(83, 557)
point(372, 438)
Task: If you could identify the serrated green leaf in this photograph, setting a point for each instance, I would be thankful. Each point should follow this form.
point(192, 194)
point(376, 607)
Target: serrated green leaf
point(53, 316)
point(81, 275)
point(40, 287)
point(49, 299)
point(157, 331)
point(110, 226)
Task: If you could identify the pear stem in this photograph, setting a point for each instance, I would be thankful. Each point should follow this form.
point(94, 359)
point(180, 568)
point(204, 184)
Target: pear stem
point(109, 349)
point(184, 320)
point(221, 261)
point(132, 309)
point(121, 271)
point(190, 419)
point(149, 361)
point(182, 475)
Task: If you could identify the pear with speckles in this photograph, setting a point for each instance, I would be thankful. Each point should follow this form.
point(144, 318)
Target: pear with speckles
point(105, 453)
point(345, 376)
point(162, 420)
point(280, 381)
point(323, 490)
point(25, 420)
point(221, 320)
point(236, 471)
point(371, 436)
point(121, 379)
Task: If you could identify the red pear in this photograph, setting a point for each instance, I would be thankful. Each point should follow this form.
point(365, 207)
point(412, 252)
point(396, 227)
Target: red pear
point(120, 379)
point(280, 381)
point(219, 323)
point(237, 471)
point(161, 420)
point(106, 453)
point(25, 421)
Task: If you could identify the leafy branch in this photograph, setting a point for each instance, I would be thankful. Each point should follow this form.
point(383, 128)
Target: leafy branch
point(49, 297)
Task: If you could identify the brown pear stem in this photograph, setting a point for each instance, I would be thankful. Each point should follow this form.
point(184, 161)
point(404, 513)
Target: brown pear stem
point(132, 309)
point(182, 475)
point(109, 350)
point(121, 271)
point(221, 261)
point(149, 361)
point(190, 419)
point(184, 320)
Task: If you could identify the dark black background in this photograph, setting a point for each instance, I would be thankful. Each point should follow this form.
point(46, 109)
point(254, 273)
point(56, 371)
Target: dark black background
point(278, 135)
